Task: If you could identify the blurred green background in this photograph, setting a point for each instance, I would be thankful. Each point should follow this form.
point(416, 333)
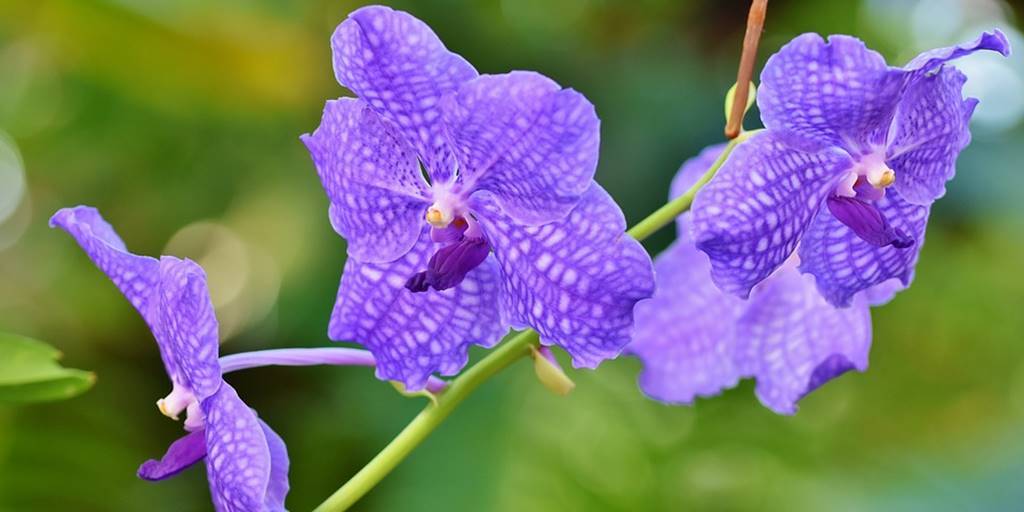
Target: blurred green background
point(180, 120)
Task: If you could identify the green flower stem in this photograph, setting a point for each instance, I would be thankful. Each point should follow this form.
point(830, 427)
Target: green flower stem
point(507, 353)
point(667, 214)
point(427, 420)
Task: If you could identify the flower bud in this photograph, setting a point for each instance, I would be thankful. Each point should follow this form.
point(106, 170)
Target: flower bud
point(549, 372)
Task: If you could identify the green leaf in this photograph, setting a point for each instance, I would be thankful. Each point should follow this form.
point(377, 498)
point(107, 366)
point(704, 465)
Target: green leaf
point(29, 372)
point(732, 94)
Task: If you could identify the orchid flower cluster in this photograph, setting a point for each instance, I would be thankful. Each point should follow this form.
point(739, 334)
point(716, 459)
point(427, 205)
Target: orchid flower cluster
point(470, 209)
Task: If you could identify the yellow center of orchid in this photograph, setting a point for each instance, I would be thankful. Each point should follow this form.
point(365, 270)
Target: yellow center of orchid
point(882, 177)
point(165, 409)
point(439, 217)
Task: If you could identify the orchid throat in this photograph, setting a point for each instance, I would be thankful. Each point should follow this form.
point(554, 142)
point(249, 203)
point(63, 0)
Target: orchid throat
point(853, 202)
point(465, 248)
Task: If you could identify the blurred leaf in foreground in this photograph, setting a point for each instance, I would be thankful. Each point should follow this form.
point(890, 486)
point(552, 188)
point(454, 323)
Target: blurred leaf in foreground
point(29, 372)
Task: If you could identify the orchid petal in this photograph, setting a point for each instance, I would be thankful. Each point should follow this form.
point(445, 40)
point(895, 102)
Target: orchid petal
point(378, 196)
point(277, 485)
point(188, 324)
point(238, 464)
point(525, 139)
point(751, 216)
point(574, 281)
point(793, 341)
point(837, 92)
point(413, 335)
point(931, 59)
point(397, 64)
point(844, 264)
point(685, 334)
point(930, 130)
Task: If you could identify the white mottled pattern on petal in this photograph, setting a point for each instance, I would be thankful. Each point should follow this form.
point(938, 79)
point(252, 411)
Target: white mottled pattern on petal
point(844, 264)
point(378, 195)
point(397, 64)
point(525, 139)
point(792, 341)
point(188, 324)
point(138, 277)
point(928, 134)
point(839, 92)
point(277, 485)
point(751, 215)
point(238, 462)
point(574, 281)
point(413, 335)
point(685, 334)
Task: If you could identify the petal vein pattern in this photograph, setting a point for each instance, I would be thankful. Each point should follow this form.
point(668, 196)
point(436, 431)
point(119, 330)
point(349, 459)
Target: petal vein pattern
point(574, 281)
point(522, 137)
point(749, 218)
point(378, 196)
point(238, 459)
point(843, 263)
point(413, 335)
point(397, 64)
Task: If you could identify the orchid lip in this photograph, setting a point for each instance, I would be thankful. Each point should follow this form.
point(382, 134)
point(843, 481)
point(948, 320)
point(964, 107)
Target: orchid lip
point(450, 265)
point(867, 222)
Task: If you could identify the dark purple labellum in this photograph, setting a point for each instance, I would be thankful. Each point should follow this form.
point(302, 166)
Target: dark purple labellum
point(418, 282)
point(867, 222)
point(450, 264)
point(182, 453)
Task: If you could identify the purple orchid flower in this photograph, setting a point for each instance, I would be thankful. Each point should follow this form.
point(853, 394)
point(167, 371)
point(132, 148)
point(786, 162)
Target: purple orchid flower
point(853, 156)
point(246, 461)
point(504, 226)
point(785, 335)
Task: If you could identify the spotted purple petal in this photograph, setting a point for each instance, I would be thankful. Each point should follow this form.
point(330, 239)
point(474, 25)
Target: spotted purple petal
point(378, 195)
point(182, 454)
point(928, 134)
point(838, 93)
point(685, 334)
point(413, 335)
point(793, 341)
point(138, 277)
point(574, 281)
point(695, 340)
point(525, 139)
point(844, 264)
point(188, 324)
point(930, 60)
point(277, 485)
point(749, 218)
point(238, 463)
point(397, 64)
